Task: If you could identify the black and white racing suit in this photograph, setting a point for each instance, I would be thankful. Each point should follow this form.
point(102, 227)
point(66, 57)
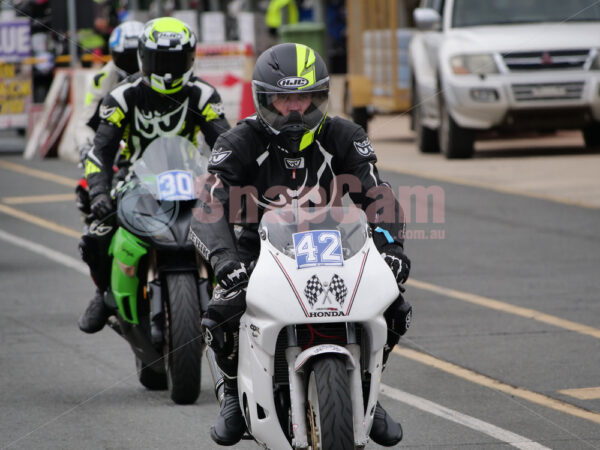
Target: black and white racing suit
point(88, 120)
point(340, 160)
point(136, 114)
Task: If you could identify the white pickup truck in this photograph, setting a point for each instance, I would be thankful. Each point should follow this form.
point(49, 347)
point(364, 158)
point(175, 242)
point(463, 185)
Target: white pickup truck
point(505, 65)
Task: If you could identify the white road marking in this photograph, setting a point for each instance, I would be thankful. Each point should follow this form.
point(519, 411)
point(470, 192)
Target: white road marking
point(58, 257)
point(430, 407)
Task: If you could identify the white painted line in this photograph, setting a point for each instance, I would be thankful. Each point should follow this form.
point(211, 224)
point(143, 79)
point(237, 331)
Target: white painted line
point(501, 434)
point(58, 257)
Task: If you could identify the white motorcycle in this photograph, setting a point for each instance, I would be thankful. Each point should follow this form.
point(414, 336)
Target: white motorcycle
point(313, 332)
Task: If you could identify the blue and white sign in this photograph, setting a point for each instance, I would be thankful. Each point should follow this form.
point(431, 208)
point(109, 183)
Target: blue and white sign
point(318, 248)
point(175, 185)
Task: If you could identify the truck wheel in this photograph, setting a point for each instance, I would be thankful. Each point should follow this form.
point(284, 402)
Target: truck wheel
point(426, 138)
point(184, 344)
point(455, 141)
point(591, 135)
point(329, 406)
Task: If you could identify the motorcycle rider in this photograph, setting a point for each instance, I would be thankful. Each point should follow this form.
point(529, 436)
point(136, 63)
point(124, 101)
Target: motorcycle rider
point(123, 44)
point(290, 143)
point(163, 99)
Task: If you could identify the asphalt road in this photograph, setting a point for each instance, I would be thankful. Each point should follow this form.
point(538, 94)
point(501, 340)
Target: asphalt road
point(507, 316)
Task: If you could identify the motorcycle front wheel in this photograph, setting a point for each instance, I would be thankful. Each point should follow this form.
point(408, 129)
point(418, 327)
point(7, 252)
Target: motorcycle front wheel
point(330, 405)
point(184, 345)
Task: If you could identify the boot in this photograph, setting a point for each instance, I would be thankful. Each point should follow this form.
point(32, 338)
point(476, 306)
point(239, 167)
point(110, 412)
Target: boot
point(230, 425)
point(94, 317)
point(385, 431)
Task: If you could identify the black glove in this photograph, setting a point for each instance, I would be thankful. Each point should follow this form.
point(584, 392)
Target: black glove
point(221, 320)
point(231, 274)
point(398, 262)
point(102, 206)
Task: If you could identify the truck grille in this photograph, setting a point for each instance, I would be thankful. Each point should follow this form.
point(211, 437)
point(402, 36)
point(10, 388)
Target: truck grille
point(337, 330)
point(547, 91)
point(551, 60)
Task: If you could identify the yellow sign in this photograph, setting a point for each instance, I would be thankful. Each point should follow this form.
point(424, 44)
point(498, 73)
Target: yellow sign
point(15, 95)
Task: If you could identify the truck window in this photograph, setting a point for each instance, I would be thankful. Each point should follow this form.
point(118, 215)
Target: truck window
point(469, 13)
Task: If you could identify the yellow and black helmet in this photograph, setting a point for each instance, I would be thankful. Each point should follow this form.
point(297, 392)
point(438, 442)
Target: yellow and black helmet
point(291, 69)
point(166, 54)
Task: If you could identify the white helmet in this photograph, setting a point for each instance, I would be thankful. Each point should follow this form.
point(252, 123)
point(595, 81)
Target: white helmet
point(123, 45)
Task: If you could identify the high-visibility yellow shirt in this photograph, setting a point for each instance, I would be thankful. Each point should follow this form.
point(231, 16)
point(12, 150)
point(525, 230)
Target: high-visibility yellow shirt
point(274, 16)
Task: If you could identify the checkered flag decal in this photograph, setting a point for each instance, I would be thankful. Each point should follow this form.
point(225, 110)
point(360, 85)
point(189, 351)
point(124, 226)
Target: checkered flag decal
point(313, 289)
point(339, 289)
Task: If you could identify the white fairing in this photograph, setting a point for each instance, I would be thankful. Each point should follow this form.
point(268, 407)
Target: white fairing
point(276, 298)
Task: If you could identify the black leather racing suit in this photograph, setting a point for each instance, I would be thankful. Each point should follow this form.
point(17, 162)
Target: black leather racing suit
point(245, 159)
point(136, 114)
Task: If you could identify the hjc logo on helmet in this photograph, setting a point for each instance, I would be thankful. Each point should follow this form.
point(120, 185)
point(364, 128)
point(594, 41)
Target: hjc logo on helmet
point(169, 35)
point(292, 82)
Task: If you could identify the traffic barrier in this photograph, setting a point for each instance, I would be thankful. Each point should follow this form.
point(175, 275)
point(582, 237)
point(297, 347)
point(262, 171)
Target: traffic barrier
point(228, 67)
point(46, 134)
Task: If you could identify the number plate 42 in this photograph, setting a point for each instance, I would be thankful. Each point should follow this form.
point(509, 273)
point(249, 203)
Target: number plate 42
point(318, 248)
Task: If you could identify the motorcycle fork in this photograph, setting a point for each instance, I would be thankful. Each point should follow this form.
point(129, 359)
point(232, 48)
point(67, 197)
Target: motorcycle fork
point(298, 393)
point(356, 391)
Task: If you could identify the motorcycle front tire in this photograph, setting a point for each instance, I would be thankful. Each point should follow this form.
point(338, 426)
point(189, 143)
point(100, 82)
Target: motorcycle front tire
point(184, 344)
point(330, 405)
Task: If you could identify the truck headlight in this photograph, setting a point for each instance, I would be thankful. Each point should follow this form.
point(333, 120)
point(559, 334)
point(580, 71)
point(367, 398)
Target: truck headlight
point(473, 65)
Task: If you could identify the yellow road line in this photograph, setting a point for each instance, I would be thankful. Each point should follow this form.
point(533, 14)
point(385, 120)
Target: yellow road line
point(462, 182)
point(39, 199)
point(491, 383)
point(40, 222)
point(65, 181)
point(507, 308)
point(591, 393)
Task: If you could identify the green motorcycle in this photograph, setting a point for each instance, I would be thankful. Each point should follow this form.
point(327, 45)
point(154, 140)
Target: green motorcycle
point(159, 284)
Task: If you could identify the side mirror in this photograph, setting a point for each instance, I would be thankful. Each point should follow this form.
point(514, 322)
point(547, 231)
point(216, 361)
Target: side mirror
point(427, 19)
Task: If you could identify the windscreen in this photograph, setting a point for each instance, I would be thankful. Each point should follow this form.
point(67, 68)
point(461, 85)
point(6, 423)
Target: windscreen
point(469, 13)
point(316, 233)
point(168, 168)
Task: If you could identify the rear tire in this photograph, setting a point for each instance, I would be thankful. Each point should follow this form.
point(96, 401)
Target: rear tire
point(455, 141)
point(184, 342)
point(149, 378)
point(329, 405)
point(591, 135)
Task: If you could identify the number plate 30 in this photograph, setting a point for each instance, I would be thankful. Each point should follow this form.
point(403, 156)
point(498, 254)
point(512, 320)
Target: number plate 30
point(175, 185)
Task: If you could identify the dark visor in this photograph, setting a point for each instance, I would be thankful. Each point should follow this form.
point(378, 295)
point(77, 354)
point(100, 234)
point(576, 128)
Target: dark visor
point(162, 62)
